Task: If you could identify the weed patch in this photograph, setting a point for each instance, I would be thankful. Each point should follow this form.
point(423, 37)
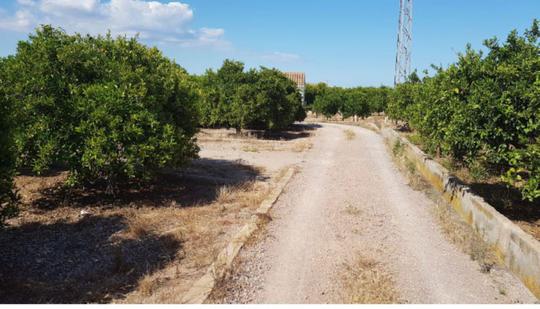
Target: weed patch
point(349, 134)
point(397, 148)
point(367, 282)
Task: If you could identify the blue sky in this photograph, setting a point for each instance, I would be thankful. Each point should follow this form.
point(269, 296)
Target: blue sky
point(341, 42)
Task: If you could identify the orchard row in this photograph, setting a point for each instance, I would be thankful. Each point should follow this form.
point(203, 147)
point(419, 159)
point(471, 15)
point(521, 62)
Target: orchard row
point(482, 111)
point(111, 110)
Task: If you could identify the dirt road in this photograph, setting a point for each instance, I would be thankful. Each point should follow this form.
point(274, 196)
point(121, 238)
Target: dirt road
point(349, 202)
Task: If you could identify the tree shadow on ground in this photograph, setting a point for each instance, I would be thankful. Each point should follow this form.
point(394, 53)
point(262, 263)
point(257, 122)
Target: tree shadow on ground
point(295, 131)
point(63, 256)
point(508, 201)
point(198, 183)
point(77, 262)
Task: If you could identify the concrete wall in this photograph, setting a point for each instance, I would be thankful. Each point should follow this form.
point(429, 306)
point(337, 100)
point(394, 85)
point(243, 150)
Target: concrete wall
point(519, 251)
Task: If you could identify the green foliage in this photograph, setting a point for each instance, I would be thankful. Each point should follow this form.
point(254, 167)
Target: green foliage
point(330, 102)
point(8, 206)
point(257, 99)
point(483, 110)
point(314, 90)
point(524, 170)
point(218, 91)
point(377, 98)
point(359, 101)
point(109, 109)
point(398, 148)
point(401, 101)
point(356, 102)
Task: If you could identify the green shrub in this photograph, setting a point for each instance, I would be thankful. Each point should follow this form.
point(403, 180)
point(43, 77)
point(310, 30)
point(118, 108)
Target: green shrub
point(524, 171)
point(483, 110)
point(398, 148)
point(313, 91)
point(109, 109)
point(377, 98)
point(358, 101)
point(8, 206)
point(330, 102)
point(255, 99)
point(275, 102)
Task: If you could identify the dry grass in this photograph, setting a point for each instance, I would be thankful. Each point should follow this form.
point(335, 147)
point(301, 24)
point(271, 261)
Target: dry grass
point(416, 182)
point(353, 210)
point(250, 148)
point(175, 238)
point(254, 143)
point(366, 282)
point(147, 285)
point(138, 227)
point(349, 134)
point(485, 183)
point(225, 195)
point(263, 145)
point(301, 146)
point(452, 225)
point(464, 237)
point(204, 232)
point(148, 244)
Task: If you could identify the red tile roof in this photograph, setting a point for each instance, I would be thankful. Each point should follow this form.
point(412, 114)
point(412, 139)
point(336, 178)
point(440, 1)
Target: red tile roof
point(298, 77)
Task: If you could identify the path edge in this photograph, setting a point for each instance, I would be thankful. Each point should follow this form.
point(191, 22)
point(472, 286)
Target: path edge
point(203, 287)
point(519, 251)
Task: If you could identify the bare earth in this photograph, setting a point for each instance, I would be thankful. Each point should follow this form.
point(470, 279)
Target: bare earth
point(349, 203)
point(150, 243)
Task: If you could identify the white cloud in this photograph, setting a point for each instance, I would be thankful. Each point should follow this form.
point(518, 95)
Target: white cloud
point(21, 21)
point(65, 6)
point(152, 20)
point(207, 36)
point(279, 57)
point(148, 16)
point(26, 2)
point(201, 38)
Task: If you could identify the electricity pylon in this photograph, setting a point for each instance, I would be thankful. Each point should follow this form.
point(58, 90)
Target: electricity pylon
point(404, 42)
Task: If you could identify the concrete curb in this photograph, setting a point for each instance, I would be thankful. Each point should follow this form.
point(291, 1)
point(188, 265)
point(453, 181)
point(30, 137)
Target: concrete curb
point(519, 250)
point(202, 288)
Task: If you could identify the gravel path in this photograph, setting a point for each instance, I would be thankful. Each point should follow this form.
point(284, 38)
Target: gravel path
point(349, 200)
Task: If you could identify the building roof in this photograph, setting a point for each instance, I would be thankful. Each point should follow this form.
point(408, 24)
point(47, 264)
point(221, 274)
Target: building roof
point(298, 77)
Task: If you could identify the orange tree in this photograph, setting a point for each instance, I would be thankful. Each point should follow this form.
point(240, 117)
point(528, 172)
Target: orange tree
point(108, 109)
point(7, 152)
point(253, 99)
point(357, 101)
point(483, 110)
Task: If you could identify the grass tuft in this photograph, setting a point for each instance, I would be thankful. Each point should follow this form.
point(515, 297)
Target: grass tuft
point(349, 134)
point(366, 282)
point(138, 227)
point(397, 148)
point(250, 148)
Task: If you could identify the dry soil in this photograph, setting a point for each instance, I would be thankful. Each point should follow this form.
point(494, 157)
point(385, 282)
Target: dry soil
point(349, 208)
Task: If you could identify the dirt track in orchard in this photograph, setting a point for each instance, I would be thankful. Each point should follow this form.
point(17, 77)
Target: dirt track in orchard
point(349, 228)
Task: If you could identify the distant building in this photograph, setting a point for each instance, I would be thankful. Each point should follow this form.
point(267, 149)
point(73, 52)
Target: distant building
point(299, 79)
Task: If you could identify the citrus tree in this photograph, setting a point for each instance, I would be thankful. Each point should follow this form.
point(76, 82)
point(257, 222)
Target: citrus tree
point(256, 99)
point(109, 109)
point(484, 110)
point(357, 101)
point(7, 152)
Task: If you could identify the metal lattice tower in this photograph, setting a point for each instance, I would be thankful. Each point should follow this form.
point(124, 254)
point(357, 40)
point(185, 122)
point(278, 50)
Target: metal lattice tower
point(404, 42)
